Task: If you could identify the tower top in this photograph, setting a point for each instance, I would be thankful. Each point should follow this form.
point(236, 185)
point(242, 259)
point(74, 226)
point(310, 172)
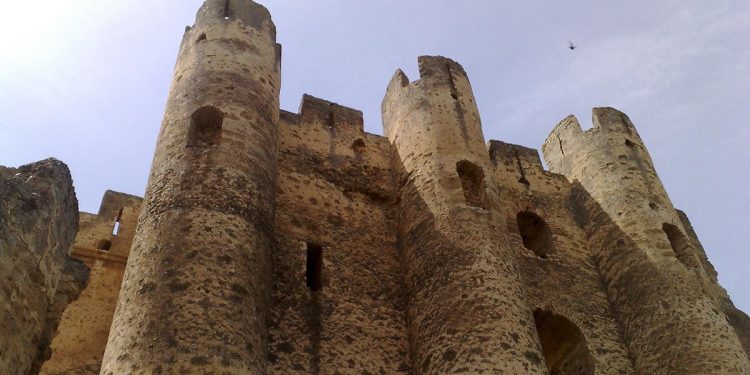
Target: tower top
point(249, 12)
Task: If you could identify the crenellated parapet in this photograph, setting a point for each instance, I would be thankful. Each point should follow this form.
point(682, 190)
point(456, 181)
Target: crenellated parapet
point(520, 167)
point(611, 161)
point(449, 230)
point(209, 207)
point(108, 235)
point(278, 242)
point(650, 266)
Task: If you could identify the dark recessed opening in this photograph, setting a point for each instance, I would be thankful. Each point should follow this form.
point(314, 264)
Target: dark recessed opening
point(205, 127)
point(563, 345)
point(116, 227)
point(472, 183)
point(226, 9)
point(201, 38)
point(535, 233)
point(314, 270)
point(680, 245)
point(629, 143)
point(104, 245)
point(358, 145)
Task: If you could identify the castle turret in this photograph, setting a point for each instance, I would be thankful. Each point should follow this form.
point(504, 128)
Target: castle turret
point(466, 310)
point(651, 268)
point(194, 297)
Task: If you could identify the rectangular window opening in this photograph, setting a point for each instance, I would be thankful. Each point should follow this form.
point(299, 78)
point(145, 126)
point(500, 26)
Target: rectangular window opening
point(314, 270)
point(116, 227)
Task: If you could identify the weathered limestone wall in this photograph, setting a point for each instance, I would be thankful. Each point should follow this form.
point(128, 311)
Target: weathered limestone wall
point(196, 290)
point(38, 222)
point(466, 309)
point(653, 273)
point(81, 337)
point(335, 191)
point(738, 319)
point(561, 277)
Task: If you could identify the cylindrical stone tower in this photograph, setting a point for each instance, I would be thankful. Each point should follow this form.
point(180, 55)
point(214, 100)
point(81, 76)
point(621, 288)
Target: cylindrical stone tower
point(466, 308)
point(194, 298)
point(653, 274)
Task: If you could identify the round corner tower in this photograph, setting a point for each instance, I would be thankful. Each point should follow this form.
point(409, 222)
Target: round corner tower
point(654, 276)
point(194, 297)
point(466, 307)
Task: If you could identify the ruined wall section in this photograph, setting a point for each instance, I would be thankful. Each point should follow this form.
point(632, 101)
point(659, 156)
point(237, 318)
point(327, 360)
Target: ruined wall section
point(466, 310)
point(670, 320)
point(81, 337)
point(335, 193)
point(196, 289)
point(560, 276)
point(38, 223)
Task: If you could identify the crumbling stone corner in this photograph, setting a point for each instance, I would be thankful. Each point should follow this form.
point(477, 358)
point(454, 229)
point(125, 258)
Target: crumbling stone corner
point(38, 223)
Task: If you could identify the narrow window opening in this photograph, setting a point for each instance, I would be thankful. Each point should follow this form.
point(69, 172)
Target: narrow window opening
point(116, 227)
point(629, 143)
point(358, 146)
point(226, 9)
point(104, 245)
point(472, 183)
point(535, 234)
point(680, 245)
point(314, 271)
point(201, 38)
point(205, 127)
point(563, 345)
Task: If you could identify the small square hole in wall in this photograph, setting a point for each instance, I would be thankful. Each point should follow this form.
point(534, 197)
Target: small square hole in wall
point(104, 245)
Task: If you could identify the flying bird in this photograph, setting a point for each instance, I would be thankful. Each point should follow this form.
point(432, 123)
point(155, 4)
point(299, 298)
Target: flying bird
point(572, 46)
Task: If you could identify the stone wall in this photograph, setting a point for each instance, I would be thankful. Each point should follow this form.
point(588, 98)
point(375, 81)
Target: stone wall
point(559, 274)
point(652, 270)
point(345, 313)
point(38, 223)
point(103, 244)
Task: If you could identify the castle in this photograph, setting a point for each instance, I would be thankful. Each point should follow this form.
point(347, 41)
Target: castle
point(271, 242)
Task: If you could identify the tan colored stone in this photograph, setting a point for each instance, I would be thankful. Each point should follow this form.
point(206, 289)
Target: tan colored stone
point(38, 222)
point(271, 242)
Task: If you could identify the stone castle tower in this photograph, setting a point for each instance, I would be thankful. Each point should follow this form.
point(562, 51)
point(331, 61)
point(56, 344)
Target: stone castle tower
point(271, 242)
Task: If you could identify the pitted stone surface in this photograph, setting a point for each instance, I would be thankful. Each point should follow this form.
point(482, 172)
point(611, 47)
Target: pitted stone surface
point(38, 222)
point(273, 242)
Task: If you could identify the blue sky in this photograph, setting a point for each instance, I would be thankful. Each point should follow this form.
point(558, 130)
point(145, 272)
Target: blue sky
point(86, 82)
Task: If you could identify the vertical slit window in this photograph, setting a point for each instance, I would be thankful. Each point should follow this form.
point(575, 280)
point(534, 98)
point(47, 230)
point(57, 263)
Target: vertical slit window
point(205, 127)
point(314, 270)
point(116, 226)
point(472, 183)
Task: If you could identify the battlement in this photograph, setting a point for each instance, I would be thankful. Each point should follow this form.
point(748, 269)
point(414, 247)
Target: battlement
point(511, 154)
point(320, 111)
point(248, 12)
point(433, 68)
point(274, 242)
point(604, 120)
point(113, 201)
point(521, 167)
point(612, 132)
point(439, 67)
point(108, 234)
